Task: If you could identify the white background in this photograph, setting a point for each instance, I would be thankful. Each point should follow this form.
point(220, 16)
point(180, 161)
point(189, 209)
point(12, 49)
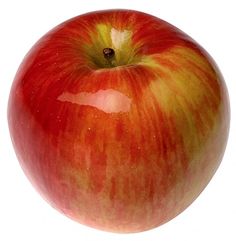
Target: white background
point(24, 215)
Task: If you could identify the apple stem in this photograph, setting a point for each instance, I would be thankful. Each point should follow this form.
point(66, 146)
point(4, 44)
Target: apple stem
point(109, 55)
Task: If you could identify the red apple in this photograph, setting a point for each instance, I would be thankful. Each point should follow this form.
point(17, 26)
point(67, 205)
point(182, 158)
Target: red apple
point(119, 119)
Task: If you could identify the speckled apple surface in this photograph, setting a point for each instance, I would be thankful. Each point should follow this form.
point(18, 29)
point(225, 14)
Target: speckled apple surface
point(121, 143)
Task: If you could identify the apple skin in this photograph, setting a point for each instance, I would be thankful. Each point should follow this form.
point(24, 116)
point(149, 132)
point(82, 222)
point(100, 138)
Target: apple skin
point(123, 146)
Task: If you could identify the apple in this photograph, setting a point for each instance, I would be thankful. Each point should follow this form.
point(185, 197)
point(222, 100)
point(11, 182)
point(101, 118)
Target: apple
point(119, 119)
